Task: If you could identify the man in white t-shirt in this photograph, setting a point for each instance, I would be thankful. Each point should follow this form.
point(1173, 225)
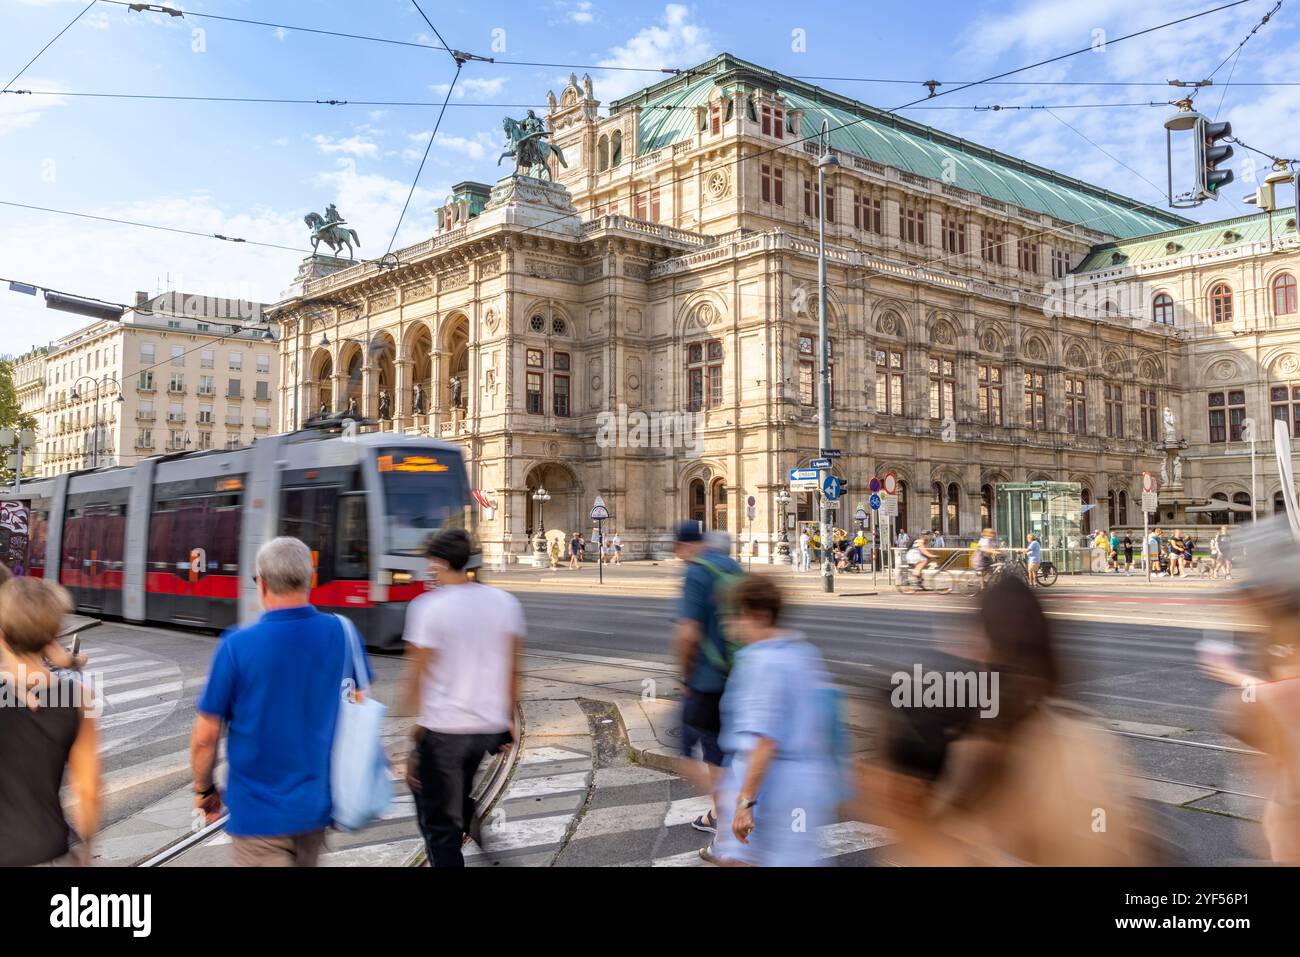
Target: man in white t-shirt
point(805, 551)
point(463, 640)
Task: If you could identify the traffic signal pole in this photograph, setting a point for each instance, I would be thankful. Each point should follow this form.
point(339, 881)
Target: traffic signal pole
point(824, 161)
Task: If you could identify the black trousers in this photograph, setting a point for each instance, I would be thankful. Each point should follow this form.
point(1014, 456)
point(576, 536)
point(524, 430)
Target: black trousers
point(444, 807)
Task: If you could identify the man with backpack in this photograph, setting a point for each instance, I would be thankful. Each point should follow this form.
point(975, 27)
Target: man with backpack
point(704, 654)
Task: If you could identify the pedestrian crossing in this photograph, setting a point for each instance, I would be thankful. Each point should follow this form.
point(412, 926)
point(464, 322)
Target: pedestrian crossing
point(560, 811)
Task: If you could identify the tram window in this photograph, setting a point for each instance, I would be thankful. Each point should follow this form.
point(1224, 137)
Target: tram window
point(309, 514)
point(94, 534)
point(209, 522)
point(353, 539)
point(37, 533)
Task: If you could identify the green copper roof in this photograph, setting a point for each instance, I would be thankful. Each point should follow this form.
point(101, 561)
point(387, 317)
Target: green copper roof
point(1190, 239)
point(667, 117)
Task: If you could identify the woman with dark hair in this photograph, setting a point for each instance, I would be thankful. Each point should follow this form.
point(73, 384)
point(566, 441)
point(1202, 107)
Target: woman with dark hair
point(1020, 779)
point(779, 728)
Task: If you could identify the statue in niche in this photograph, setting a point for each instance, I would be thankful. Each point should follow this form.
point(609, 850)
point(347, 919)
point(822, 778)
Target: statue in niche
point(385, 404)
point(419, 399)
point(456, 394)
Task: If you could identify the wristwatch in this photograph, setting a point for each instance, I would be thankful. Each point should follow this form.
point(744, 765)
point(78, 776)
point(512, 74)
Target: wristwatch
point(208, 792)
point(745, 803)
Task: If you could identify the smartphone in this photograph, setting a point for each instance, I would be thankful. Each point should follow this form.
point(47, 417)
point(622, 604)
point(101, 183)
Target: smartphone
point(76, 645)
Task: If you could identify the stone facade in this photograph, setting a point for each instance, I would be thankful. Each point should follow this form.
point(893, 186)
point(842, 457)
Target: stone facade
point(647, 333)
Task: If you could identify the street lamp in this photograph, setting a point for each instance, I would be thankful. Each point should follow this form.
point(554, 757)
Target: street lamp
point(76, 397)
point(825, 162)
point(783, 547)
point(540, 498)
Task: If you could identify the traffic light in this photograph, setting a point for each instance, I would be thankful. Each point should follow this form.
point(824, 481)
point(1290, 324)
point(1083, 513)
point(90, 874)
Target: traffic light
point(1212, 155)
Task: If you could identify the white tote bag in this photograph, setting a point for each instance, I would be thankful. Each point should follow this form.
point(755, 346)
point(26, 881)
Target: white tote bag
point(361, 787)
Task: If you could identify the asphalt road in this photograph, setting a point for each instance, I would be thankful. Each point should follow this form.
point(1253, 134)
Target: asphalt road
point(1139, 675)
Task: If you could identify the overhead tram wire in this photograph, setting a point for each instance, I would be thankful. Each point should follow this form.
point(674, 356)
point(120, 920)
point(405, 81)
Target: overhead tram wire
point(673, 71)
point(460, 63)
point(168, 229)
point(42, 50)
point(767, 151)
point(735, 162)
point(303, 101)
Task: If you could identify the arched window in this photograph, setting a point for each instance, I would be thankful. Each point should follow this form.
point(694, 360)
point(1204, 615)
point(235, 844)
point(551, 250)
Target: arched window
point(986, 506)
point(936, 507)
point(1123, 507)
point(1241, 498)
point(1221, 303)
point(602, 153)
point(1284, 295)
point(954, 510)
point(1162, 309)
point(1085, 500)
point(1279, 502)
point(902, 505)
point(615, 149)
point(719, 504)
point(697, 506)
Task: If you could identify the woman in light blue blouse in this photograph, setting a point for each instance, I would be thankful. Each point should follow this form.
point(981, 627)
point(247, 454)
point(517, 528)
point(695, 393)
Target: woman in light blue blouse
point(780, 732)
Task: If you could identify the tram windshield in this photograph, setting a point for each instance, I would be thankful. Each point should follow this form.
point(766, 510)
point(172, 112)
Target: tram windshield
point(424, 490)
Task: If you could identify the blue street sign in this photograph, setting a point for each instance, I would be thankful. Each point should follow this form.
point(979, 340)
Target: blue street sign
point(875, 501)
point(874, 485)
point(820, 463)
point(831, 487)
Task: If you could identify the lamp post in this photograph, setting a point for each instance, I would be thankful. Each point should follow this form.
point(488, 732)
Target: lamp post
point(783, 547)
point(76, 397)
point(540, 498)
point(825, 161)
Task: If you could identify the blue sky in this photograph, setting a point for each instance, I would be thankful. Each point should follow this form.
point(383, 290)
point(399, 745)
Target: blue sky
point(254, 170)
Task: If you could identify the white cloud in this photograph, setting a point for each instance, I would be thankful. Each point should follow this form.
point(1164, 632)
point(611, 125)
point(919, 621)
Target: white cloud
point(581, 12)
point(1134, 136)
point(94, 256)
point(21, 110)
point(351, 145)
point(281, 33)
point(474, 147)
point(675, 41)
point(371, 203)
point(475, 88)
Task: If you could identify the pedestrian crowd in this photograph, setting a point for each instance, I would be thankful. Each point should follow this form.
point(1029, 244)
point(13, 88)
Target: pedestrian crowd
point(1014, 777)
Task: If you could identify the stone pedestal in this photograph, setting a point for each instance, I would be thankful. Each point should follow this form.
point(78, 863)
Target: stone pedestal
point(536, 204)
point(314, 267)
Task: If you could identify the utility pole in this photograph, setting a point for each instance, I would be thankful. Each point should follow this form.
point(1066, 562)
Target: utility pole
point(825, 161)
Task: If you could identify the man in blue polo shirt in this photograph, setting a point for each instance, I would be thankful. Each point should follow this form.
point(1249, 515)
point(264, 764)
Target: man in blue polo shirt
point(276, 687)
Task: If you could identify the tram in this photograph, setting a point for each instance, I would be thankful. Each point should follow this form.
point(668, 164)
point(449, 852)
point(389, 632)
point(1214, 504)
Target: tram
point(174, 539)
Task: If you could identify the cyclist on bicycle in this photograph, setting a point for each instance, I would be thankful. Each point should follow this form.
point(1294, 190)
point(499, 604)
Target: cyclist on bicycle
point(919, 556)
point(986, 554)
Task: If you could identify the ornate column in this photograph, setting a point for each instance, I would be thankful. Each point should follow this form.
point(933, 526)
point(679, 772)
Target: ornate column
point(339, 401)
point(435, 399)
point(369, 398)
point(403, 404)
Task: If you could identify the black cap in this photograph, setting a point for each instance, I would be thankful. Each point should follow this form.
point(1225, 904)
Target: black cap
point(689, 531)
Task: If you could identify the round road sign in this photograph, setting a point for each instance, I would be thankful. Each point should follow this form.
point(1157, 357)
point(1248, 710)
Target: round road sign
point(891, 483)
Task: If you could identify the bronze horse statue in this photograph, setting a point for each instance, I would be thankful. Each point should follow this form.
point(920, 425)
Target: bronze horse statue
point(531, 152)
point(331, 234)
